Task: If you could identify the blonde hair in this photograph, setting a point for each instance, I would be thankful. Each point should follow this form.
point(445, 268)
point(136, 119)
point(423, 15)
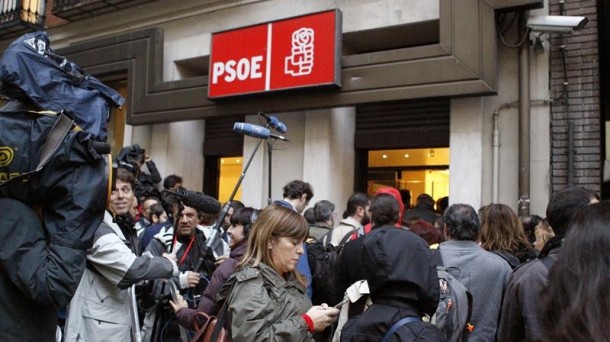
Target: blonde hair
point(544, 230)
point(273, 222)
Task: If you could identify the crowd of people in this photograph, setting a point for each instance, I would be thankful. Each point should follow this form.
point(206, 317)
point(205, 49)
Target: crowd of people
point(153, 275)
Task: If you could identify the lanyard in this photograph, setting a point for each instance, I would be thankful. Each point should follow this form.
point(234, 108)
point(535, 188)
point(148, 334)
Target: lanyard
point(186, 252)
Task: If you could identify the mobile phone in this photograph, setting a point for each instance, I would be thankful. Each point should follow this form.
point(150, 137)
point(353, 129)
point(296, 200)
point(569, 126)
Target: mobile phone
point(341, 303)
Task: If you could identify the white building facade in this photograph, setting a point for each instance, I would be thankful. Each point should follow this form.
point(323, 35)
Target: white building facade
point(393, 50)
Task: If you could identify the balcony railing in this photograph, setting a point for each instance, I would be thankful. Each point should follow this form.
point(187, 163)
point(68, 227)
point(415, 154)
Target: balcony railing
point(20, 16)
point(73, 10)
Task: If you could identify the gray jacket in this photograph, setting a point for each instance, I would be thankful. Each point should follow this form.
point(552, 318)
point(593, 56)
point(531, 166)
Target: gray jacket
point(103, 306)
point(262, 306)
point(485, 275)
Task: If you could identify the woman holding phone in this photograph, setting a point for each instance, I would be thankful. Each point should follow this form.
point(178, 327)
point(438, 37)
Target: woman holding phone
point(266, 298)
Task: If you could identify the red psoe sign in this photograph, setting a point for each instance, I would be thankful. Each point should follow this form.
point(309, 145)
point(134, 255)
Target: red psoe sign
point(291, 53)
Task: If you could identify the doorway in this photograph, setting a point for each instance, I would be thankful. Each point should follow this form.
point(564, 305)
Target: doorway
point(230, 171)
point(411, 171)
point(222, 150)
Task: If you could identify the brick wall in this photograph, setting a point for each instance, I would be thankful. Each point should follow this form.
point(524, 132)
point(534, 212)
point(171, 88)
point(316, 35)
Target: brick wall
point(577, 102)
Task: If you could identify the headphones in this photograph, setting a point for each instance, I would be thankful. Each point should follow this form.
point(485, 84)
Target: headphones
point(253, 217)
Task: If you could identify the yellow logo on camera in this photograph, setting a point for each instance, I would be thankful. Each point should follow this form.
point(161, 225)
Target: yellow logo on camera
point(6, 155)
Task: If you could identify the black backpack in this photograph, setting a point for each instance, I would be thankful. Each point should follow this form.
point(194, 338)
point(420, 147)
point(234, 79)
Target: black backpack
point(323, 262)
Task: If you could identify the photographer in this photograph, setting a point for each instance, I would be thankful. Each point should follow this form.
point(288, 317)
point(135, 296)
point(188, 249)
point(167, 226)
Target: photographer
point(195, 265)
point(146, 183)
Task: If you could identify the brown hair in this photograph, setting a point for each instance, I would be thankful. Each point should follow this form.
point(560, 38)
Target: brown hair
point(501, 230)
point(273, 222)
point(126, 176)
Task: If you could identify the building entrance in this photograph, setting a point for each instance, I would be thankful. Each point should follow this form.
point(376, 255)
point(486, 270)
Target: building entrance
point(412, 171)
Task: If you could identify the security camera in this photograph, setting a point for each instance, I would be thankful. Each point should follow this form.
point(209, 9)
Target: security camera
point(562, 24)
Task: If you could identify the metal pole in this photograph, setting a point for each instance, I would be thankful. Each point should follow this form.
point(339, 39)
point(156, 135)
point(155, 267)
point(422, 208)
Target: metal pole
point(524, 129)
point(269, 161)
point(570, 152)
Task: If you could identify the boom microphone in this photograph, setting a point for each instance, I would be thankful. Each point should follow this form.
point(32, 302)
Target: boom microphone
point(197, 200)
point(275, 123)
point(255, 131)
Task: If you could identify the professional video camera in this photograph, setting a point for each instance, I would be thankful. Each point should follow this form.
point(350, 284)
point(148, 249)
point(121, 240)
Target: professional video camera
point(53, 158)
point(132, 155)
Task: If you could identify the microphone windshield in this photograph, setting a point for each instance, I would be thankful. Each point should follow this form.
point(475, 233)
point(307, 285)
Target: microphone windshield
point(251, 130)
point(198, 200)
point(278, 125)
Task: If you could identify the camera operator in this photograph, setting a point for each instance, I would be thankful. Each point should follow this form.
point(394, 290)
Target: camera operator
point(46, 225)
point(102, 306)
point(53, 182)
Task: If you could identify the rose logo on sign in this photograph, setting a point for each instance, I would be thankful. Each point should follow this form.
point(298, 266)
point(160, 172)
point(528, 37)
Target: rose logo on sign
point(300, 62)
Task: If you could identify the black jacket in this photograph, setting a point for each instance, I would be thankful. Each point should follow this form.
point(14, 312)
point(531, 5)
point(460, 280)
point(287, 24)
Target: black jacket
point(402, 280)
point(521, 318)
point(421, 211)
point(372, 325)
point(349, 271)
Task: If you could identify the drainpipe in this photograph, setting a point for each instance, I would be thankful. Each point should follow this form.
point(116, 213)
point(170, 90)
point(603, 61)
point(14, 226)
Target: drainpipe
point(570, 152)
point(524, 129)
point(495, 177)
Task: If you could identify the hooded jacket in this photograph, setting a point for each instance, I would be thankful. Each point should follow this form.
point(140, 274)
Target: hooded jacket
point(402, 280)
